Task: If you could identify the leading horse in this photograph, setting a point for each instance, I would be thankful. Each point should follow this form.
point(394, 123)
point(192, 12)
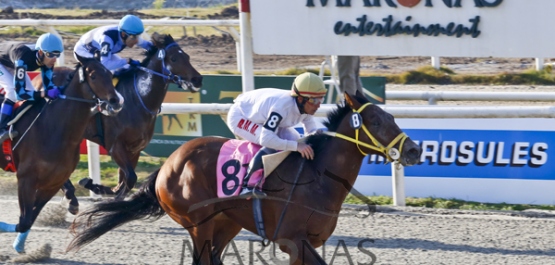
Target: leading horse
point(46, 151)
point(128, 133)
point(309, 192)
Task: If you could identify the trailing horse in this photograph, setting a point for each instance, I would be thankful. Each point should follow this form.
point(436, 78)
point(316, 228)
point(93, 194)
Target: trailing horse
point(46, 151)
point(304, 196)
point(128, 133)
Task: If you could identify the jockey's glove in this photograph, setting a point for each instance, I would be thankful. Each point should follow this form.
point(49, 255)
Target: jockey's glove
point(53, 93)
point(133, 63)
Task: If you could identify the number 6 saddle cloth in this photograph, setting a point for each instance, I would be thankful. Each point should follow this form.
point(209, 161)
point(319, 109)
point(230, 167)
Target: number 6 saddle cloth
point(233, 163)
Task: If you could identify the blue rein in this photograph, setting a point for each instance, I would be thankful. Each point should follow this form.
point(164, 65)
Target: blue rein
point(175, 78)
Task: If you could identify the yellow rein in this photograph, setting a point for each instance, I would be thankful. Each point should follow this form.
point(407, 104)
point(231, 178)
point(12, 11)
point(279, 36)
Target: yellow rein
point(388, 151)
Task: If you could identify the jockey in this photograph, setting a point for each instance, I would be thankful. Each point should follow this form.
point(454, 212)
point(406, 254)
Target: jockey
point(266, 117)
point(18, 86)
point(110, 40)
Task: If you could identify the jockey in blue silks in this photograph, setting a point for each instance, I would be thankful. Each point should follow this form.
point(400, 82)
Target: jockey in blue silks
point(110, 40)
point(17, 84)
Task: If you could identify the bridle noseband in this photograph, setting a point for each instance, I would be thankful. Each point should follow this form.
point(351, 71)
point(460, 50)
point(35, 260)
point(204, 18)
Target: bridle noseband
point(391, 153)
point(166, 74)
point(167, 77)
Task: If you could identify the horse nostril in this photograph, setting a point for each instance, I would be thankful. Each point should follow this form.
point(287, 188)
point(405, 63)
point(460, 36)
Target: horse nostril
point(414, 153)
point(114, 101)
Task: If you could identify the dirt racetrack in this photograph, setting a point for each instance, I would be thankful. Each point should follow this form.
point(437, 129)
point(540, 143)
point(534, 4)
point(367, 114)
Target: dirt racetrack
point(393, 235)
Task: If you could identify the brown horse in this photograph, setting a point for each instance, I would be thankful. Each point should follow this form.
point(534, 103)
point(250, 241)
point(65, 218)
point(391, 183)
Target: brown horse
point(128, 133)
point(46, 151)
point(185, 188)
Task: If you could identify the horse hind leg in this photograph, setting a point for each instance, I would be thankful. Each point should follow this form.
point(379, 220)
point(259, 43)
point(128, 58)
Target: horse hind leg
point(225, 230)
point(69, 193)
point(202, 241)
point(127, 162)
point(301, 252)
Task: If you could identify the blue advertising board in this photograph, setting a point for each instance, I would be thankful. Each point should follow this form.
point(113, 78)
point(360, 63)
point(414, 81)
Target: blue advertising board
point(493, 154)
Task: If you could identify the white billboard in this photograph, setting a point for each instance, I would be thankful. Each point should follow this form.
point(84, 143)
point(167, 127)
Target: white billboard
point(469, 28)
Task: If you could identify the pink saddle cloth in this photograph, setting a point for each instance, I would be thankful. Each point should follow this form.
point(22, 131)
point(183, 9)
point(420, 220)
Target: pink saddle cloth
point(233, 162)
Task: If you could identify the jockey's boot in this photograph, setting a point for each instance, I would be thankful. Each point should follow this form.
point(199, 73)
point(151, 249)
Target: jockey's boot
point(5, 115)
point(254, 165)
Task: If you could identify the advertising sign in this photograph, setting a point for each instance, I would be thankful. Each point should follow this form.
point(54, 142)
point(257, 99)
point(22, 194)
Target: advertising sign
point(489, 160)
point(470, 28)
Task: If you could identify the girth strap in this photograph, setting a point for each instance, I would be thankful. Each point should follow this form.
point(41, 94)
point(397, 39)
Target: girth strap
point(258, 219)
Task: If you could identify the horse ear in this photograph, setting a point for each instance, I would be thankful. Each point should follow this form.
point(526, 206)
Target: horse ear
point(79, 58)
point(359, 94)
point(352, 101)
point(155, 38)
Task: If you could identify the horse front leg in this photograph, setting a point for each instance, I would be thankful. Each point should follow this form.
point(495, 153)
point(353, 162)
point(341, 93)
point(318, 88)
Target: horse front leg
point(40, 199)
point(26, 193)
point(69, 193)
point(127, 161)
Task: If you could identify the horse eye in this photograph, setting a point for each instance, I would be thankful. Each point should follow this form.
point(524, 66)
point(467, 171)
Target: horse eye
point(93, 76)
point(173, 59)
point(376, 123)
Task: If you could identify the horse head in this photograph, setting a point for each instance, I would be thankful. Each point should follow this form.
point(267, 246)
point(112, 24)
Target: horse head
point(375, 131)
point(99, 82)
point(175, 62)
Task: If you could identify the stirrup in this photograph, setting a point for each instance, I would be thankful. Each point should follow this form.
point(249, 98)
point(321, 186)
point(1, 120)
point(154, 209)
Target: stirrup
point(249, 192)
point(4, 135)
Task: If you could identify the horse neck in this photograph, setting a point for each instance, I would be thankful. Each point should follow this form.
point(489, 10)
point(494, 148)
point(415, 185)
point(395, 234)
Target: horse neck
point(339, 164)
point(73, 114)
point(153, 93)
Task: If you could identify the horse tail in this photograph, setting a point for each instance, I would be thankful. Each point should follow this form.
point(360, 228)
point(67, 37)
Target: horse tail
point(105, 216)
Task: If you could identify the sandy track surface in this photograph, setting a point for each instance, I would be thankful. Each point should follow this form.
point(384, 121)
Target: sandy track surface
point(394, 235)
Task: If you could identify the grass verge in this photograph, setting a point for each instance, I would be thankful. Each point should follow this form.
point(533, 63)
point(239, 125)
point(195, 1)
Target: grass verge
point(445, 76)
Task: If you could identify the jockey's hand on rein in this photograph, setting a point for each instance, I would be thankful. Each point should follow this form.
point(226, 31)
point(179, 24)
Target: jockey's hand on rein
point(306, 151)
point(133, 63)
point(53, 93)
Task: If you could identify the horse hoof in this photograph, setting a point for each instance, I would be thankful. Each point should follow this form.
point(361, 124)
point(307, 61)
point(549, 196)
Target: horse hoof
point(73, 209)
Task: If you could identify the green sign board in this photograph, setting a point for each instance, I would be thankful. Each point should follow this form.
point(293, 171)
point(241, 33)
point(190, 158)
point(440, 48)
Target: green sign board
point(172, 130)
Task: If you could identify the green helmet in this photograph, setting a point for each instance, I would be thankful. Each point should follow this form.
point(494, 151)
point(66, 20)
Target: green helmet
point(308, 85)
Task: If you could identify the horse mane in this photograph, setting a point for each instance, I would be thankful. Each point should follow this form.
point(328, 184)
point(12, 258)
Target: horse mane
point(71, 75)
point(332, 124)
point(159, 41)
point(77, 66)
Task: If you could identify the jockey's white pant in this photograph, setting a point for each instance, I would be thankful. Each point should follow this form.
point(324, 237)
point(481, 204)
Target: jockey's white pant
point(250, 131)
point(6, 83)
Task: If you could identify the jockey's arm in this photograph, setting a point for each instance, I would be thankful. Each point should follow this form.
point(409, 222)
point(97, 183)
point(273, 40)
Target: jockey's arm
point(147, 45)
point(269, 138)
point(110, 60)
point(24, 90)
point(310, 125)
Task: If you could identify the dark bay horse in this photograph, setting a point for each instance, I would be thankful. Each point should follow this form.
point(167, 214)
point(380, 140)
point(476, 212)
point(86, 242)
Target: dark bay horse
point(185, 188)
point(124, 136)
point(46, 151)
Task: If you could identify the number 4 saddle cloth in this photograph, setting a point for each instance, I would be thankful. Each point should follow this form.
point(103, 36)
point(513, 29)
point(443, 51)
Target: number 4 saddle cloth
point(233, 163)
